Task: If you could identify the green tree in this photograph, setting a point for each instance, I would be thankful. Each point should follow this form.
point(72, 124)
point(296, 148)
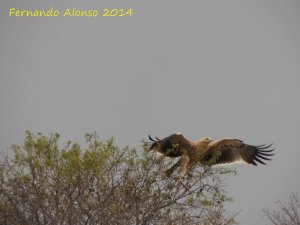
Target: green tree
point(100, 183)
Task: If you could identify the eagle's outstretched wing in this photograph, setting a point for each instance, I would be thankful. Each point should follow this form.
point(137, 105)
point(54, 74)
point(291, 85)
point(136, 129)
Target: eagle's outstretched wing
point(172, 146)
point(233, 150)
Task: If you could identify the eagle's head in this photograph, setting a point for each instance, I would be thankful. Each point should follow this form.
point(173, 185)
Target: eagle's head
point(207, 139)
point(204, 141)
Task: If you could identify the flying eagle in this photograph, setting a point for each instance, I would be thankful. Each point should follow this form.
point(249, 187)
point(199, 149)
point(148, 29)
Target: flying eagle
point(207, 151)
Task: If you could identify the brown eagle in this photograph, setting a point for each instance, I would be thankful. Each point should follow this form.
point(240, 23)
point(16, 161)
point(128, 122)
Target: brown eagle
point(207, 151)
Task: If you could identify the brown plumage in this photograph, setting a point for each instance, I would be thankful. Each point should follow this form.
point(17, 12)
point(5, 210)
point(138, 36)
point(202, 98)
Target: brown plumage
point(206, 151)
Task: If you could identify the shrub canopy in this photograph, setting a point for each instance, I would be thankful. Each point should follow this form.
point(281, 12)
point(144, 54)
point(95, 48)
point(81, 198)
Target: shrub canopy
point(100, 183)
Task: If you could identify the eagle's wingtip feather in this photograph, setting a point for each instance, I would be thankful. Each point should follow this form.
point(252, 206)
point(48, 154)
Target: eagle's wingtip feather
point(151, 139)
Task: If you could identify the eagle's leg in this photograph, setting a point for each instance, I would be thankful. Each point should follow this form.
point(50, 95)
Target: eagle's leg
point(190, 174)
point(169, 171)
point(184, 162)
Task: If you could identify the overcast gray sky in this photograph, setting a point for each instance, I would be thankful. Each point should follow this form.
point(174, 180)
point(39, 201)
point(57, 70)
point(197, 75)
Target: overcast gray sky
point(205, 68)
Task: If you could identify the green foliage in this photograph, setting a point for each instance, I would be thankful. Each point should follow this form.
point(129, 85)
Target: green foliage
point(102, 184)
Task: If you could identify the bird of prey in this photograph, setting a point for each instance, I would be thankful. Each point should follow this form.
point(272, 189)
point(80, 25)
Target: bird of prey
point(209, 152)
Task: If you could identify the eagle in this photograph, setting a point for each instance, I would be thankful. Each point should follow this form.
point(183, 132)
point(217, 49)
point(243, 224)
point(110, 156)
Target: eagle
point(208, 152)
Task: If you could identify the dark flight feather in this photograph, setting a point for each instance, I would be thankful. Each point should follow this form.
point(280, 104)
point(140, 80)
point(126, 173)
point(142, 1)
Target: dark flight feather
point(232, 150)
point(172, 146)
